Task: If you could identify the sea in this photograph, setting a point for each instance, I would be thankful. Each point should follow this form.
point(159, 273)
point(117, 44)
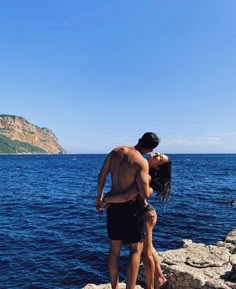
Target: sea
point(52, 237)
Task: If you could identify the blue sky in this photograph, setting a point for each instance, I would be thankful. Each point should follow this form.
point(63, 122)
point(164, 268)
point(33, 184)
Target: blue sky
point(100, 73)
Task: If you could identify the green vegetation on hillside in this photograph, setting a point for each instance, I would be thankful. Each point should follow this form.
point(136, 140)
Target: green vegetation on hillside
point(8, 115)
point(8, 146)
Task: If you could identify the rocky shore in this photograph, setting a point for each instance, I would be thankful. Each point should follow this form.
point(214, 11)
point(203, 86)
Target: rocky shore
point(195, 266)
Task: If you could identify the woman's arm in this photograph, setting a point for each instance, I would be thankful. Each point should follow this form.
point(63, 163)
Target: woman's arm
point(128, 195)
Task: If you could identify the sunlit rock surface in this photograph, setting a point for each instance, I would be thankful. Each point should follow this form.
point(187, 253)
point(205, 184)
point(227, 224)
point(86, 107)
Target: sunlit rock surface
point(195, 266)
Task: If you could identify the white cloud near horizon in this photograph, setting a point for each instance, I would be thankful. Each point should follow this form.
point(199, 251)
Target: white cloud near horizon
point(233, 133)
point(208, 144)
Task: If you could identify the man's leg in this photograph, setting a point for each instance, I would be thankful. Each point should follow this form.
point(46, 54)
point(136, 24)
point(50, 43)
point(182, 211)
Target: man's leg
point(133, 264)
point(113, 262)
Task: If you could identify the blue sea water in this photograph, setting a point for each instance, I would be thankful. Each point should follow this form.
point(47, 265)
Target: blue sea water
point(51, 236)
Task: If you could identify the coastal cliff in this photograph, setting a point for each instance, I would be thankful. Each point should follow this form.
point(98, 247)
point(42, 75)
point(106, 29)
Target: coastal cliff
point(195, 266)
point(18, 136)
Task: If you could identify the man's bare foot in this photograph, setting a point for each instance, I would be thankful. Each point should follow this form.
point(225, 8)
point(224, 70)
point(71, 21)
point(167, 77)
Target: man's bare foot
point(160, 282)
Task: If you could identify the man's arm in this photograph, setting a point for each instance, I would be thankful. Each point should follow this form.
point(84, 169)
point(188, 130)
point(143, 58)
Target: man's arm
point(143, 180)
point(105, 170)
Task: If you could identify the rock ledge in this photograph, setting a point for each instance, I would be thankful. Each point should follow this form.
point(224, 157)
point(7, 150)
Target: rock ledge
point(195, 266)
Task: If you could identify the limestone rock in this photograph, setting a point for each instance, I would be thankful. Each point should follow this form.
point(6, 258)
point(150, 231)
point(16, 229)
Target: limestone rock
point(195, 266)
point(108, 286)
point(200, 266)
point(18, 130)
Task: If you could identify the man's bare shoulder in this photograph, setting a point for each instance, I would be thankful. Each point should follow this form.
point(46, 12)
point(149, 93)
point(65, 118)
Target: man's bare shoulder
point(126, 150)
point(132, 154)
point(140, 160)
point(121, 150)
point(136, 157)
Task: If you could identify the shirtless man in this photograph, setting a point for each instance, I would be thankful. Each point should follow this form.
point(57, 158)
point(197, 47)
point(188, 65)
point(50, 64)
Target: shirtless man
point(124, 224)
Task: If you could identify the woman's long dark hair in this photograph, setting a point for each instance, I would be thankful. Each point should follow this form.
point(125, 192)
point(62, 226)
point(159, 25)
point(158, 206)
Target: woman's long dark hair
point(161, 180)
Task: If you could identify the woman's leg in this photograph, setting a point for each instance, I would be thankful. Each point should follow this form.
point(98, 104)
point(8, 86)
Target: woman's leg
point(148, 257)
point(158, 279)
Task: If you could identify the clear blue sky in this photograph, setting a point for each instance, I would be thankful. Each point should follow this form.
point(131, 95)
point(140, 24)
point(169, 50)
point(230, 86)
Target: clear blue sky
point(100, 73)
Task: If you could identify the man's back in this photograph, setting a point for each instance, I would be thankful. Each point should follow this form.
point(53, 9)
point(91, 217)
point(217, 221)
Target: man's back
point(125, 165)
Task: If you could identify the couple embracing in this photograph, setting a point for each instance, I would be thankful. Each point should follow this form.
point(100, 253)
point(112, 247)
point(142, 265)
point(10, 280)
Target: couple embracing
point(130, 218)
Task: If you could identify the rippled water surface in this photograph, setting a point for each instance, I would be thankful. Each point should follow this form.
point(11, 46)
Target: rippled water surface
point(52, 237)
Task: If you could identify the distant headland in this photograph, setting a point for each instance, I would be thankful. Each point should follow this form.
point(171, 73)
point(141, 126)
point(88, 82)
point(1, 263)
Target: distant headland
point(18, 136)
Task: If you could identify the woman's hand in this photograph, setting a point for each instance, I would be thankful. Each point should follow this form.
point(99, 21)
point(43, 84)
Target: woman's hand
point(105, 203)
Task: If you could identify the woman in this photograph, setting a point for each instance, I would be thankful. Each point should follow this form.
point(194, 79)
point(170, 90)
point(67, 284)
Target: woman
point(160, 182)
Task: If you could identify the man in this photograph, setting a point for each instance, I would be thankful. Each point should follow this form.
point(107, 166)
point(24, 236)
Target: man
point(125, 224)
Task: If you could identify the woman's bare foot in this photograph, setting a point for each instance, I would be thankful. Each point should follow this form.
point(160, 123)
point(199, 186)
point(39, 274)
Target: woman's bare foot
point(160, 282)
